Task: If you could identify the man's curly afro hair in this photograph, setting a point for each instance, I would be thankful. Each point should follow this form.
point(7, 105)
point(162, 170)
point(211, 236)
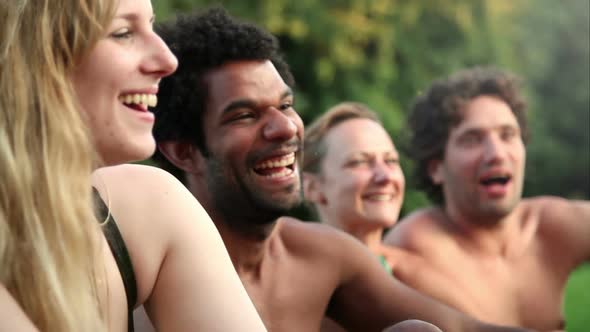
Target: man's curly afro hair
point(203, 42)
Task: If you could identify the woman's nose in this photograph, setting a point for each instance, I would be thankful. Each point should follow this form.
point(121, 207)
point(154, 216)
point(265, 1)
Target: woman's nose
point(160, 61)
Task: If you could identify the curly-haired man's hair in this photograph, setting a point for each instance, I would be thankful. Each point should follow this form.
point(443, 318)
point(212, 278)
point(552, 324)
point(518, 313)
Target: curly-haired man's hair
point(203, 42)
point(440, 109)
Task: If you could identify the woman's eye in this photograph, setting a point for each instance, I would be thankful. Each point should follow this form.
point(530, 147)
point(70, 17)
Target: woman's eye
point(470, 139)
point(285, 106)
point(356, 162)
point(122, 34)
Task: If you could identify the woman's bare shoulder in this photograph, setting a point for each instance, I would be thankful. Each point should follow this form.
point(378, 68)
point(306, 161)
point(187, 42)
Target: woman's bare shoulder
point(12, 317)
point(132, 177)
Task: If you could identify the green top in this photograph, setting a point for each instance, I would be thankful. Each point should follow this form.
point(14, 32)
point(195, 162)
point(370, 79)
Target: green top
point(385, 265)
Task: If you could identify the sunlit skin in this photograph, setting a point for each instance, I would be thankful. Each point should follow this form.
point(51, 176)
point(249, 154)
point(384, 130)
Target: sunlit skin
point(179, 268)
point(167, 233)
point(295, 273)
point(487, 251)
point(360, 188)
point(131, 59)
point(485, 145)
point(253, 136)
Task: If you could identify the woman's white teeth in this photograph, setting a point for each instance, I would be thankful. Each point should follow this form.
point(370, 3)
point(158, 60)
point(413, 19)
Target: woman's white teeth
point(150, 100)
point(380, 197)
point(285, 161)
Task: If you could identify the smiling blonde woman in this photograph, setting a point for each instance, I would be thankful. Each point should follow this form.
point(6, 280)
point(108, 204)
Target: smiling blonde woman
point(352, 176)
point(76, 80)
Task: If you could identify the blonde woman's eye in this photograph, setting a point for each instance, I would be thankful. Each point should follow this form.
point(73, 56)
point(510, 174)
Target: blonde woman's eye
point(122, 34)
point(357, 162)
point(285, 106)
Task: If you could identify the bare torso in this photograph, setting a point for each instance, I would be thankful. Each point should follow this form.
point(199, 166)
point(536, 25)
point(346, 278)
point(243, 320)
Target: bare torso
point(294, 283)
point(522, 286)
point(312, 271)
point(297, 278)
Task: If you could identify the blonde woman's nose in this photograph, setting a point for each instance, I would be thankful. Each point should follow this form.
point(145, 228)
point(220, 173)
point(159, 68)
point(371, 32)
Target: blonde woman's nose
point(160, 60)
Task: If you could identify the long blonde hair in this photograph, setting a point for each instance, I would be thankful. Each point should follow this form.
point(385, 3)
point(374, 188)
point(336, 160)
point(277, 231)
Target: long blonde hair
point(49, 243)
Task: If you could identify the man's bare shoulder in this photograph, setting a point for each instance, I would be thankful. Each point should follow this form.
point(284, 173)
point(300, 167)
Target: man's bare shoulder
point(553, 213)
point(551, 208)
point(322, 242)
point(309, 232)
point(564, 224)
point(417, 230)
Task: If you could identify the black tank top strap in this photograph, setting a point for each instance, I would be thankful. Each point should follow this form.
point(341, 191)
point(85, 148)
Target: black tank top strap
point(121, 255)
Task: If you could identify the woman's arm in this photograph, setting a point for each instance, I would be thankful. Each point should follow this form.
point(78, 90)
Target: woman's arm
point(182, 268)
point(12, 317)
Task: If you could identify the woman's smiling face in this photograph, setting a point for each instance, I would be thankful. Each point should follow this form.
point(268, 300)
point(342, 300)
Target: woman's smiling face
point(360, 181)
point(119, 79)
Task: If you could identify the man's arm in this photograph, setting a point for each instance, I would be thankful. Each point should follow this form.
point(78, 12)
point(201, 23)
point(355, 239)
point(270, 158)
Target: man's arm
point(567, 223)
point(580, 215)
point(369, 299)
point(413, 326)
point(12, 317)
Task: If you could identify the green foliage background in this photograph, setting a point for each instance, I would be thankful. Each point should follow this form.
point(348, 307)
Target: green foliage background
point(384, 52)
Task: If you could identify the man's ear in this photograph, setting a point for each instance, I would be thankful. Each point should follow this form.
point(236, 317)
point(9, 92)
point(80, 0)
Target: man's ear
point(435, 171)
point(183, 155)
point(312, 189)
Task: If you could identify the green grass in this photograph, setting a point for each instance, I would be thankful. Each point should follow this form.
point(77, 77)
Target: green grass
point(577, 301)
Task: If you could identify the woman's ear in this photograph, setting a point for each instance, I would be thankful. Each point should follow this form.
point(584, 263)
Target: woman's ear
point(183, 155)
point(312, 190)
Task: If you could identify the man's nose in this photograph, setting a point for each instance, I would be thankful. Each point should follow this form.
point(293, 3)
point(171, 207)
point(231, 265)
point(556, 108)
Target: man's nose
point(280, 126)
point(494, 150)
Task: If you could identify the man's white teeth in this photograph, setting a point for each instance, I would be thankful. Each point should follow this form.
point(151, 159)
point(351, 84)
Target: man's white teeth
point(283, 162)
point(150, 100)
point(284, 172)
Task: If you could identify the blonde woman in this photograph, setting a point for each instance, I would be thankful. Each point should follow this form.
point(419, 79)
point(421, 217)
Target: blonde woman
point(353, 180)
point(352, 176)
point(76, 80)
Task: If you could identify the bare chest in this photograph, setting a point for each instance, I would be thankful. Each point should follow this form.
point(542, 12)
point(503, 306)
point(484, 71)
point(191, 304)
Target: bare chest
point(291, 296)
point(524, 291)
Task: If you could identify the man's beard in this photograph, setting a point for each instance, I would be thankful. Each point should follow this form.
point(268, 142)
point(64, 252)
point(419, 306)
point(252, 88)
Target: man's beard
point(239, 204)
point(489, 215)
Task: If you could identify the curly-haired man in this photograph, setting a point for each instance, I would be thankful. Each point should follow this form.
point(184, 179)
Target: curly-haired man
point(483, 249)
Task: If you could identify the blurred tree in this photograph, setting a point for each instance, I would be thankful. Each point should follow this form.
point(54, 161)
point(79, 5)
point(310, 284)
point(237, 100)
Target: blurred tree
point(384, 52)
point(555, 56)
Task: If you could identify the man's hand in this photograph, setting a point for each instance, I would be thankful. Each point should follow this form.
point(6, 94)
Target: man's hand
point(412, 326)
